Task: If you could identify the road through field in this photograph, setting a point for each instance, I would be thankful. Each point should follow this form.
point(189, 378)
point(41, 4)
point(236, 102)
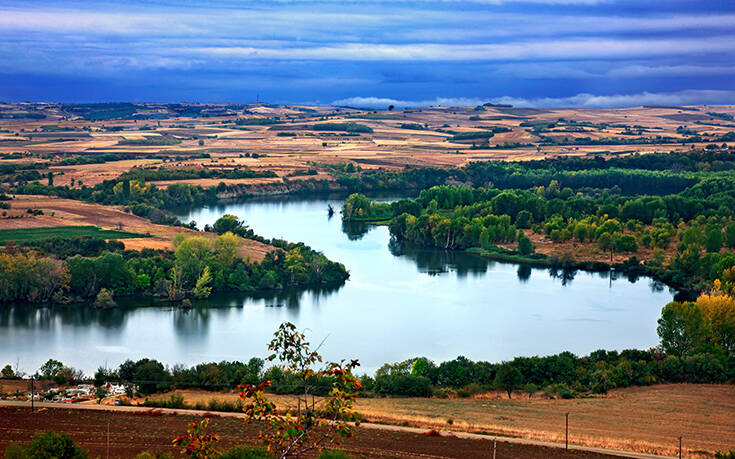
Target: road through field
point(377, 427)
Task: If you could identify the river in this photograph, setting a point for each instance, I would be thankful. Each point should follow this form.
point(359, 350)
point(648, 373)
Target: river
point(398, 303)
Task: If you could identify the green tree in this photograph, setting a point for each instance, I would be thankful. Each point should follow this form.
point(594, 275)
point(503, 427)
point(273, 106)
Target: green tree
point(682, 328)
point(229, 223)
point(315, 422)
point(7, 372)
point(356, 206)
point(509, 378)
point(626, 243)
point(730, 235)
point(50, 369)
point(525, 246)
point(52, 445)
point(203, 289)
point(192, 255)
point(524, 219)
point(713, 238)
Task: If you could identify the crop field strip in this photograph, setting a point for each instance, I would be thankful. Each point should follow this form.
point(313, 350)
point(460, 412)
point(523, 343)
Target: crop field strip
point(36, 234)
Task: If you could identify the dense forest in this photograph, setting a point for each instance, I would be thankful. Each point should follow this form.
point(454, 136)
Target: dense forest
point(676, 226)
point(65, 270)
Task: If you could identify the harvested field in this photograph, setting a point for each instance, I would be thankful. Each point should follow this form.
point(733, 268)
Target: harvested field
point(66, 212)
point(395, 145)
point(642, 419)
point(130, 433)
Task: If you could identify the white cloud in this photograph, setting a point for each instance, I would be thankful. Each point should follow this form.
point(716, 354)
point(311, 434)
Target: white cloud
point(636, 71)
point(583, 100)
point(381, 102)
point(544, 50)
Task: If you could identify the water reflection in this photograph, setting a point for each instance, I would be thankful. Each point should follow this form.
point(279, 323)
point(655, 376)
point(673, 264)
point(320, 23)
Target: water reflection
point(524, 273)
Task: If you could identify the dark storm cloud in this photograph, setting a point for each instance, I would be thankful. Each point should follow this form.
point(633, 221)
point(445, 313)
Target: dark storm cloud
point(583, 52)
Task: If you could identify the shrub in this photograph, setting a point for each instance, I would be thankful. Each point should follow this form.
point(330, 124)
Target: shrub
point(49, 445)
point(560, 390)
point(333, 454)
point(15, 451)
point(154, 455)
point(104, 299)
point(247, 452)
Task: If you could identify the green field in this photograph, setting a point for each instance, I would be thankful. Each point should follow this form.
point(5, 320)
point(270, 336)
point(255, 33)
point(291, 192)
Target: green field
point(36, 234)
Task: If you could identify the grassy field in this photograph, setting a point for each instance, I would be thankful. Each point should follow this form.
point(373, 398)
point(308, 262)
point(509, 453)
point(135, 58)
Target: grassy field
point(642, 419)
point(35, 234)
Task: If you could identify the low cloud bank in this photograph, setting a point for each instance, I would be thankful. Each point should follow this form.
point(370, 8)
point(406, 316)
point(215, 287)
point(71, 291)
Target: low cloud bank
point(583, 100)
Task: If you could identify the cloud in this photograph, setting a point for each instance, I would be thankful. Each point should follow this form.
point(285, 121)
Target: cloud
point(583, 100)
point(637, 71)
point(543, 50)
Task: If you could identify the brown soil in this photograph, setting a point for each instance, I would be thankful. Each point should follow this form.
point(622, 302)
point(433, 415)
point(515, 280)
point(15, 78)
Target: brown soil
point(388, 146)
point(130, 433)
point(642, 419)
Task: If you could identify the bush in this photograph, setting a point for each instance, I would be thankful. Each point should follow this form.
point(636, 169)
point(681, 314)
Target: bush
point(560, 390)
point(15, 451)
point(247, 452)
point(333, 454)
point(154, 455)
point(408, 385)
point(51, 445)
point(173, 401)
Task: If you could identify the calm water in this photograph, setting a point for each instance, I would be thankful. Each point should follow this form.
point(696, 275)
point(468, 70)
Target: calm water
point(399, 303)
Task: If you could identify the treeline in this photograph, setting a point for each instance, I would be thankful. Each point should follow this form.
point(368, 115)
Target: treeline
point(145, 199)
point(342, 127)
point(562, 375)
point(166, 173)
point(632, 176)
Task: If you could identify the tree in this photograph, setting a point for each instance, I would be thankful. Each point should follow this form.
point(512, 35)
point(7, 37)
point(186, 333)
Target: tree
point(229, 223)
point(626, 243)
point(100, 393)
point(681, 328)
point(730, 235)
point(524, 219)
point(192, 255)
point(7, 372)
point(202, 289)
point(50, 177)
point(713, 238)
point(606, 242)
point(50, 369)
point(525, 246)
point(509, 378)
point(314, 422)
point(356, 206)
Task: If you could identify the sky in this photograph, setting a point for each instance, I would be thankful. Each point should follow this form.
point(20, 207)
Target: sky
point(371, 53)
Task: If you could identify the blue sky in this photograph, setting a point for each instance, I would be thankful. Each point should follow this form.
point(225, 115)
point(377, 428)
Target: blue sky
point(587, 53)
